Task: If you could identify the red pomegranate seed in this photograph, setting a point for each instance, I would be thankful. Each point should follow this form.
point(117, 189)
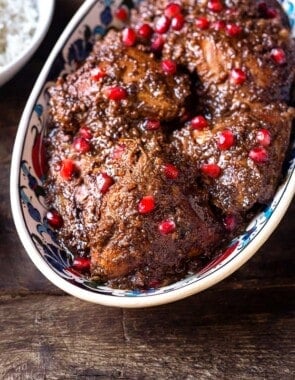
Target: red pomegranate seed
point(128, 37)
point(233, 30)
point(177, 22)
point(169, 66)
point(262, 7)
point(67, 169)
point(104, 182)
point(146, 204)
point(162, 24)
point(121, 14)
point(271, 13)
point(218, 25)
point(258, 155)
point(152, 125)
point(199, 123)
point(237, 76)
point(230, 222)
point(278, 56)
point(116, 93)
point(170, 171)
point(167, 227)
point(118, 151)
point(226, 139)
point(54, 219)
point(215, 6)
point(81, 145)
point(145, 31)
point(172, 10)
point(97, 73)
point(81, 264)
point(263, 137)
point(211, 170)
point(202, 23)
point(157, 43)
point(85, 132)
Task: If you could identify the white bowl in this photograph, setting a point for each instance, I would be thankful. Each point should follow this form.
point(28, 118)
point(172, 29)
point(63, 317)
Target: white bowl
point(45, 12)
point(27, 177)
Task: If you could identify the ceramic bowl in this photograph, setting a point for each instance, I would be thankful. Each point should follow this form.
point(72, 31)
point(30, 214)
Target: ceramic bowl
point(93, 19)
point(45, 12)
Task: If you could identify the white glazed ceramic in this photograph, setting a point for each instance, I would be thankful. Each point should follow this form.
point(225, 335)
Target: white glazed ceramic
point(45, 12)
point(27, 176)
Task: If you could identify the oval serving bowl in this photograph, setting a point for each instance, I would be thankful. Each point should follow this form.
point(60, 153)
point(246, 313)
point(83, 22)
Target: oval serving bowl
point(45, 12)
point(93, 19)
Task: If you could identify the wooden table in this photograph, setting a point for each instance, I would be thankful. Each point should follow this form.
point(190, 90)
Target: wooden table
point(243, 328)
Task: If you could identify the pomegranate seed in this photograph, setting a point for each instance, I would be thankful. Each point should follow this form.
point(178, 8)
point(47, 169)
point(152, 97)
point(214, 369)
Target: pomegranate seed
point(211, 170)
point(128, 37)
point(262, 7)
point(97, 73)
point(230, 222)
point(146, 204)
point(167, 227)
point(157, 43)
point(67, 169)
point(233, 30)
point(168, 66)
point(116, 93)
point(226, 139)
point(271, 13)
point(121, 14)
point(218, 25)
point(145, 31)
point(170, 171)
point(85, 133)
point(215, 6)
point(152, 125)
point(237, 76)
point(104, 182)
point(278, 56)
point(202, 23)
point(177, 22)
point(54, 219)
point(263, 137)
point(81, 145)
point(258, 155)
point(172, 10)
point(162, 24)
point(199, 123)
point(118, 151)
point(81, 264)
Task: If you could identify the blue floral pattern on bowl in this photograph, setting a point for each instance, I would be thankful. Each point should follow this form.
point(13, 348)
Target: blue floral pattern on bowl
point(97, 21)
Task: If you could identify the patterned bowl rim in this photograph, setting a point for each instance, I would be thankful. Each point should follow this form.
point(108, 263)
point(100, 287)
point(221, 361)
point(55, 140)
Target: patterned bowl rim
point(219, 273)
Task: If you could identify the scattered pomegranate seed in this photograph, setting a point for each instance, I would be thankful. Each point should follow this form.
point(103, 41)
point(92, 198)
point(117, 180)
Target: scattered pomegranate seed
point(226, 139)
point(218, 25)
point(263, 137)
point(267, 12)
point(85, 132)
point(211, 170)
point(170, 171)
point(145, 31)
point(278, 56)
point(202, 23)
point(233, 30)
point(54, 219)
point(81, 264)
point(157, 43)
point(271, 13)
point(104, 182)
point(172, 10)
point(118, 151)
point(230, 222)
point(258, 155)
point(177, 22)
point(262, 7)
point(152, 125)
point(169, 66)
point(67, 169)
point(97, 73)
point(199, 123)
point(81, 145)
point(116, 93)
point(146, 204)
point(215, 6)
point(122, 14)
point(162, 24)
point(128, 37)
point(237, 76)
point(167, 227)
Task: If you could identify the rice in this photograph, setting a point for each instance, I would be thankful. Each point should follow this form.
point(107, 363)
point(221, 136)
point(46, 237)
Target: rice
point(18, 22)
